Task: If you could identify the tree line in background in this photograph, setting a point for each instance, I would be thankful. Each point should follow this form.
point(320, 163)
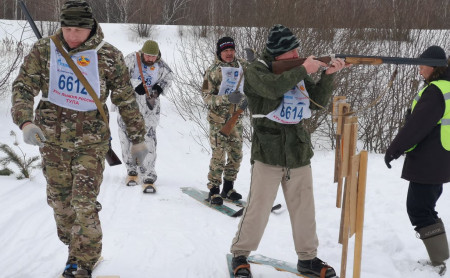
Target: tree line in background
point(399, 14)
point(402, 28)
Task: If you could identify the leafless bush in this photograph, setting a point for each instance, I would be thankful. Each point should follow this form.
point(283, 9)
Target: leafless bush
point(13, 51)
point(142, 30)
point(380, 110)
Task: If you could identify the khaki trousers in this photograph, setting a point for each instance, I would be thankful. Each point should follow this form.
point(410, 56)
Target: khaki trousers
point(298, 193)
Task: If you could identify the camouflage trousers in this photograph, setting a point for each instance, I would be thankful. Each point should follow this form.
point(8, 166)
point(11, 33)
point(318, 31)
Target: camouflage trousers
point(151, 118)
point(226, 154)
point(73, 184)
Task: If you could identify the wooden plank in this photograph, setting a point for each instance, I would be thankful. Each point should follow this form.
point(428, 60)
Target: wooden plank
point(345, 149)
point(345, 229)
point(353, 185)
point(362, 179)
point(343, 108)
point(335, 111)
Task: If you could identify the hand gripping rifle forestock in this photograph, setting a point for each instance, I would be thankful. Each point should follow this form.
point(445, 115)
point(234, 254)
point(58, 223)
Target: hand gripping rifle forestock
point(281, 66)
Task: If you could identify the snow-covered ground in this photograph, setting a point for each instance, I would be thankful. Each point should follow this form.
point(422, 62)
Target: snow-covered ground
point(169, 234)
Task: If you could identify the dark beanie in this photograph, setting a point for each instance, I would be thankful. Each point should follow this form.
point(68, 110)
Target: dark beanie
point(434, 52)
point(224, 43)
point(76, 13)
point(281, 40)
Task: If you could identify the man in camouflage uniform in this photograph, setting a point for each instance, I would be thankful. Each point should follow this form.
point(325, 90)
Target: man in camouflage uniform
point(222, 93)
point(72, 135)
point(281, 149)
point(157, 77)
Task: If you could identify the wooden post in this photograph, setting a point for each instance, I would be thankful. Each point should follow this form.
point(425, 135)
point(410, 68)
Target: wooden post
point(362, 178)
point(353, 193)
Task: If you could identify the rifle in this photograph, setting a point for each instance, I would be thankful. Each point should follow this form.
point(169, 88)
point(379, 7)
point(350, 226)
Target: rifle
point(111, 156)
point(279, 67)
point(229, 125)
point(30, 20)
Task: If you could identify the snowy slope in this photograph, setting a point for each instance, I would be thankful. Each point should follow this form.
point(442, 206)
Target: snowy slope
point(170, 234)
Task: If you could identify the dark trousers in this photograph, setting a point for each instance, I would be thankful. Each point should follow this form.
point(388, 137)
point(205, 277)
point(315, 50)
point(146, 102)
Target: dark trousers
point(421, 203)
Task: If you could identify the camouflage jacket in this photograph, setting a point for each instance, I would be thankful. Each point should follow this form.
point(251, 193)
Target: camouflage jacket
point(220, 109)
point(165, 74)
point(66, 127)
point(286, 145)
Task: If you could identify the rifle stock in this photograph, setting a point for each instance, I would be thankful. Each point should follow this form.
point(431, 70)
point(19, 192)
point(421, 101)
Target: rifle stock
point(229, 125)
point(281, 66)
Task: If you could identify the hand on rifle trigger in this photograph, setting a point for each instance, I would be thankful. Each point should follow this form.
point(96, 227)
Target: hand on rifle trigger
point(235, 97)
point(33, 135)
point(311, 65)
point(140, 90)
point(336, 65)
point(156, 90)
point(138, 153)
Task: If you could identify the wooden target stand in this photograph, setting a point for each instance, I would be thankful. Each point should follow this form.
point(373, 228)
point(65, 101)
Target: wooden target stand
point(350, 173)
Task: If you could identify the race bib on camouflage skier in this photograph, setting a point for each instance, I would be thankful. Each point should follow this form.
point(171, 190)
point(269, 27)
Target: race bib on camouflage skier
point(230, 79)
point(65, 89)
point(294, 107)
point(150, 74)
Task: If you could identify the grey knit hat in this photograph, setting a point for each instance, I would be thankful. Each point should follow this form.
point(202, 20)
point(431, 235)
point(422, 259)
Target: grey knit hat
point(281, 40)
point(76, 13)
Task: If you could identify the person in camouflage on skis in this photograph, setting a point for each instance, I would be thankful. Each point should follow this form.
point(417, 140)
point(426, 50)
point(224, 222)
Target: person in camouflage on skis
point(281, 149)
point(222, 96)
point(158, 77)
point(72, 136)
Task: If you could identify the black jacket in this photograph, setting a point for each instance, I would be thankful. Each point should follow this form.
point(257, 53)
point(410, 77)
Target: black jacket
point(429, 162)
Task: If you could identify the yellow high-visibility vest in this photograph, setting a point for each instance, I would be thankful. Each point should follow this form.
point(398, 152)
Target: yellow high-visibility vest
point(444, 86)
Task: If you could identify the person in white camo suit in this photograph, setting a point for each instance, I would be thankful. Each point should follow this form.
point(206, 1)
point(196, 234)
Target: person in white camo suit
point(158, 78)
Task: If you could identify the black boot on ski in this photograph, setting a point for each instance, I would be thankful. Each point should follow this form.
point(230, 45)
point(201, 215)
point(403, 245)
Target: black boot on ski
point(241, 267)
point(315, 266)
point(228, 192)
point(214, 197)
point(68, 271)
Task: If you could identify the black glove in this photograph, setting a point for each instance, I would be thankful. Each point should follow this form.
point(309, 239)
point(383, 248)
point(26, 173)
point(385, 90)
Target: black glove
point(407, 115)
point(387, 159)
point(157, 90)
point(235, 97)
point(140, 90)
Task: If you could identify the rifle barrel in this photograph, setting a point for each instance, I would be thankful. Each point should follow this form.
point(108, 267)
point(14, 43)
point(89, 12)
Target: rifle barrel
point(30, 20)
point(376, 60)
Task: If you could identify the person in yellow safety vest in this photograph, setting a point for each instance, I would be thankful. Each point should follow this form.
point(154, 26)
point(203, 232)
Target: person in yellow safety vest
point(425, 138)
